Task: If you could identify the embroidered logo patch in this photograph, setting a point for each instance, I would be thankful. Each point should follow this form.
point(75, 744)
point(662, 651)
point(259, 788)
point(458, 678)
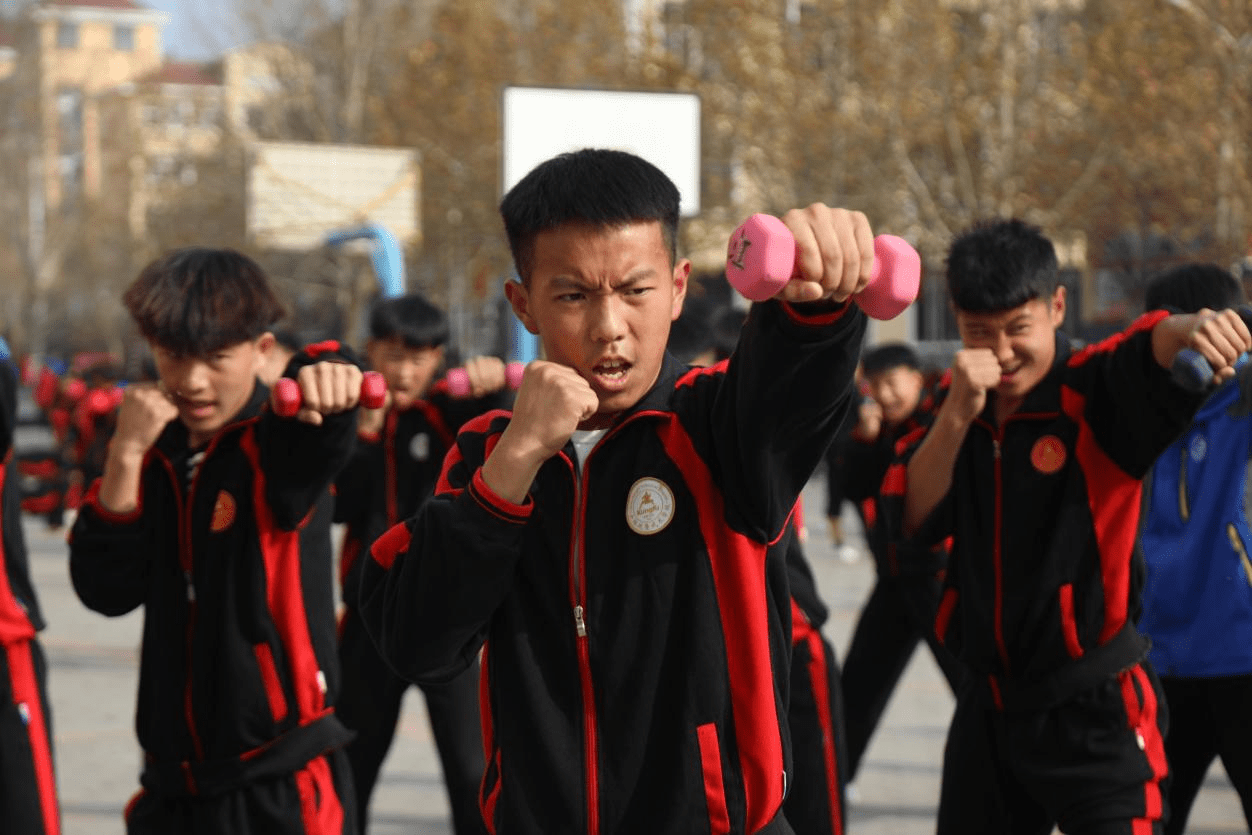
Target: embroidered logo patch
point(419, 447)
point(223, 512)
point(1048, 454)
point(649, 507)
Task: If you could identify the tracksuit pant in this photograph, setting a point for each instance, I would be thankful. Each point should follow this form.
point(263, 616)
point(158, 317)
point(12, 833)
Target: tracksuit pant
point(369, 703)
point(1093, 764)
point(899, 613)
point(1208, 718)
point(815, 802)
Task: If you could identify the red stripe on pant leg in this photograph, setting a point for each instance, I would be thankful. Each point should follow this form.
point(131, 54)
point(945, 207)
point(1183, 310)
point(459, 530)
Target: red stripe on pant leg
point(1141, 712)
point(818, 678)
point(320, 809)
point(26, 691)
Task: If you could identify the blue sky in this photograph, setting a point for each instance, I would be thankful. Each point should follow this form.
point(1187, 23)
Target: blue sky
point(198, 31)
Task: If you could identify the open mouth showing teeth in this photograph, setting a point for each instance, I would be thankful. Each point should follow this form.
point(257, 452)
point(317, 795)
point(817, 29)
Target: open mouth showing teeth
point(613, 370)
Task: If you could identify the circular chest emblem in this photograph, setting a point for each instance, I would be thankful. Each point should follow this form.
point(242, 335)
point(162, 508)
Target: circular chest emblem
point(223, 512)
point(1199, 448)
point(649, 507)
point(1048, 454)
point(419, 447)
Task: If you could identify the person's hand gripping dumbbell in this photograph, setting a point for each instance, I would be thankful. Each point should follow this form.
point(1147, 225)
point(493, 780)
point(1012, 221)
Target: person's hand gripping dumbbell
point(761, 259)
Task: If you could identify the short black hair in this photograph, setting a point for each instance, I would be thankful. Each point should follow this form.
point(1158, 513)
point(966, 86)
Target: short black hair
point(890, 355)
point(411, 318)
point(195, 301)
point(998, 265)
point(1192, 287)
point(598, 187)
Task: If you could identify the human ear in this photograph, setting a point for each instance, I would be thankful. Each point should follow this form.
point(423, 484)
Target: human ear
point(519, 300)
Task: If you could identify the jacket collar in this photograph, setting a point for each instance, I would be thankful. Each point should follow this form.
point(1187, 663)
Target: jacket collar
point(174, 438)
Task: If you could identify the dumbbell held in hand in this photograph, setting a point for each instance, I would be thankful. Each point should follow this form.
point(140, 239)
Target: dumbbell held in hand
point(459, 381)
point(288, 399)
point(761, 259)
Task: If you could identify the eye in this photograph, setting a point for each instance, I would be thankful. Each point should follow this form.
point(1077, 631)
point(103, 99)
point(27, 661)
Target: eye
point(572, 296)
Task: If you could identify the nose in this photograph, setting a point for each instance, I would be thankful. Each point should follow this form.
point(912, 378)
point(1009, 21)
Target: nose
point(193, 377)
point(608, 324)
point(1003, 347)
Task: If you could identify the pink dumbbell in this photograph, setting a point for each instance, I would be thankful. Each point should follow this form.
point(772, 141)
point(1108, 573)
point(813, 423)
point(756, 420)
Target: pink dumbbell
point(761, 259)
point(459, 383)
point(287, 396)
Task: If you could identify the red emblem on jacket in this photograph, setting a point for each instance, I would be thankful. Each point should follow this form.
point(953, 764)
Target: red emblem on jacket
point(223, 512)
point(1048, 454)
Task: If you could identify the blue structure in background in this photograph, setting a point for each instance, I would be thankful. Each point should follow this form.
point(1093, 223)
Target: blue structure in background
point(523, 345)
point(386, 255)
point(387, 258)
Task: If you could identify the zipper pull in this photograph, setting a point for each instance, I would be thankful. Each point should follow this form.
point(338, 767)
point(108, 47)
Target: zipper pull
point(580, 625)
point(191, 588)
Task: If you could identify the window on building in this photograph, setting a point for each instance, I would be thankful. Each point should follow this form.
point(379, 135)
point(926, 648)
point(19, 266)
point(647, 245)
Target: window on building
point(70, 119)
point(123, 38)
point(160, 169)
point(71, 169)
point(67, 35)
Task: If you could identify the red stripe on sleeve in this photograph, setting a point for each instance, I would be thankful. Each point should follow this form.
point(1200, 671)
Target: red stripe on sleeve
point(738, 566)
point(1113, 498)
point(328, 346)
point(280, 552)
point(1145, 322)
point(390, 544)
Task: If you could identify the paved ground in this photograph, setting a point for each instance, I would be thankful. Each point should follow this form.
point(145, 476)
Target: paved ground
point(94, 667)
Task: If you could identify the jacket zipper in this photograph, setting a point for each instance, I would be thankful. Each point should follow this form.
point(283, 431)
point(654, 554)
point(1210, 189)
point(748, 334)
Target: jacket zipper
point(185, 559)
point(578, 594)
point(578, 590)
point(997, 552)
point(391, 490)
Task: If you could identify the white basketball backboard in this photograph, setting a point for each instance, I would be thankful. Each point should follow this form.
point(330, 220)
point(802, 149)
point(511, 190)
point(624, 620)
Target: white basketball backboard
point(663, 128)
point(299, 192)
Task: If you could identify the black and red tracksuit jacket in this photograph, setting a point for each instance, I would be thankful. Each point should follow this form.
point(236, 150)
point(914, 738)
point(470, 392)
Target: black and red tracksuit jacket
point(636, 613)
point(392, 472)
point(20, 617)
point(1044, 579)
point(233, 567)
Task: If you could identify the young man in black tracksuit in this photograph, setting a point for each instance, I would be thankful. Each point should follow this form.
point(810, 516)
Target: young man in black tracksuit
point(399, 453)
point(1033, 467)
point(28, 792)
point(900, 610)
point(213, 513)
point(616, 540)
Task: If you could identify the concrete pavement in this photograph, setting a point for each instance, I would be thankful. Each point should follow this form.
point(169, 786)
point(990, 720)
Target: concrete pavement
point(94, 665)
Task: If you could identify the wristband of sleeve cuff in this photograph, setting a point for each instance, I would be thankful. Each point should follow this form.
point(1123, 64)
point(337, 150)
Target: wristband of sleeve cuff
point(817, 313)
point(92, 500)
point(496, 506)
